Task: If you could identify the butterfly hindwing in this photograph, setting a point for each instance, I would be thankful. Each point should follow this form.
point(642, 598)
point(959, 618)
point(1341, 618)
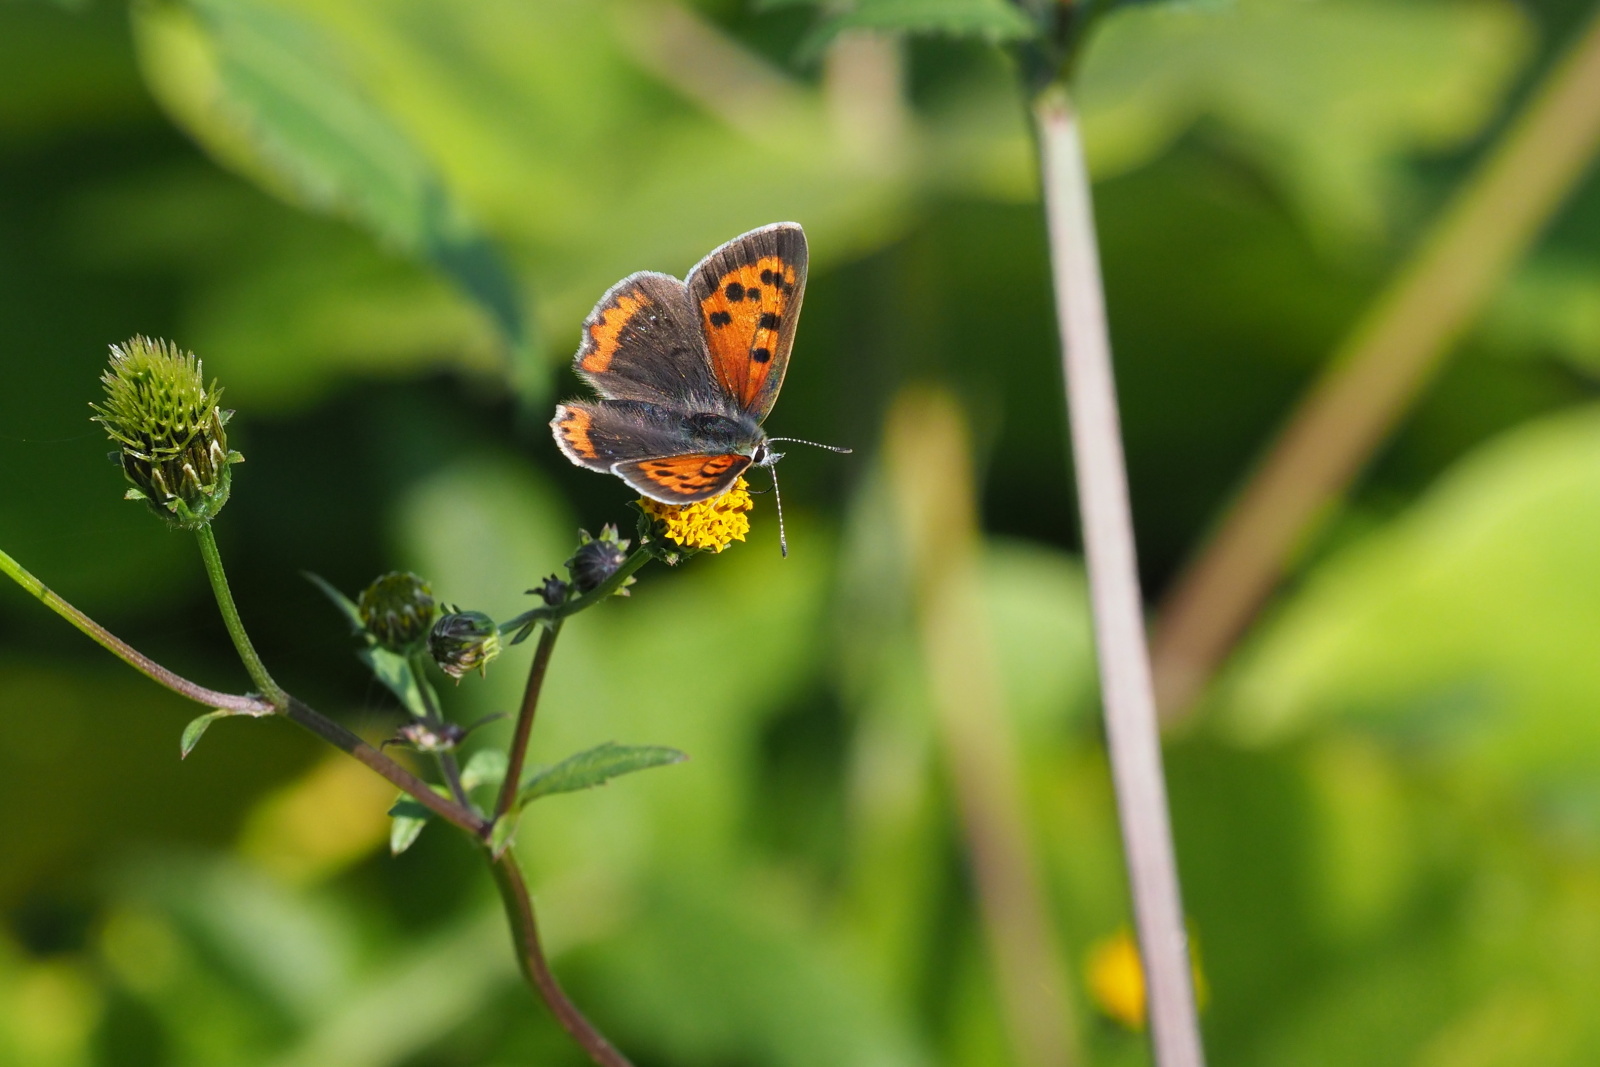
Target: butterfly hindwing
point(683, 479)
point(641, 342)
point(747, 295)
point(598, 434)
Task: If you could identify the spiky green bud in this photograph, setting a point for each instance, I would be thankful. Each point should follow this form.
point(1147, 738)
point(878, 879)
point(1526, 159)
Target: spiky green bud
point(597, 559)
point(169, 428)
point(464, 641)
point(397, 610)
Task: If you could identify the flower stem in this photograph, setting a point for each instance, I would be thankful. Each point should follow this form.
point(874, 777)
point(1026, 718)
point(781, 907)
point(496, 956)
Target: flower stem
point(1131, 733)
point(230, 616)
point(639, 558)
point(530, 705)
point(448, 767)
point(1378, 372)
point(530, 957)
point(125, 652)
point(451, 811)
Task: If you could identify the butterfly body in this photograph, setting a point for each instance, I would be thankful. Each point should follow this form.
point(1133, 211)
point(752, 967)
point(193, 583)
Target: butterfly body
point(687, 371)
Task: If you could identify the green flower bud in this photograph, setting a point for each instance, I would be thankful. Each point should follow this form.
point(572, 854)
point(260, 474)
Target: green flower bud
point(464, 641)
point(597, 559)
point(169, 429)
point(397, 610)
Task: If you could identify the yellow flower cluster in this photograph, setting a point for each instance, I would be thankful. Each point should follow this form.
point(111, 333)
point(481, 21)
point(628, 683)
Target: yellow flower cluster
point(710, 524)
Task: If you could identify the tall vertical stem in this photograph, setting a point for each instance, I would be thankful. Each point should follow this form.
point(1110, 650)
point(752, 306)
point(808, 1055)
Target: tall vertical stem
point(230, 617)
point(530, 705)
point(530, 957)
point(1130, 715)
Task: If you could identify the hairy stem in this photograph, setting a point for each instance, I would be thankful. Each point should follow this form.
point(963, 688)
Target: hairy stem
point(230, 617)
point(530, 957)
point(530, 705)
point(1378, 372)
point(125, 652)
point(1131, 734)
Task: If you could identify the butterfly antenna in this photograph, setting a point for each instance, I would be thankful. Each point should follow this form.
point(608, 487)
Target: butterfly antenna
point(813, 444)
point(783, 538)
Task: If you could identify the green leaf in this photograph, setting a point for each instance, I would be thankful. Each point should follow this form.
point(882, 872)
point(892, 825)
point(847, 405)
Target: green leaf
point(504, 832)
point(594, 767)
point(409, 816)
point(486, 767)
point(269, 95)
point(394, 671)
point(352, 613)
point(199, 725)
point(991, 20)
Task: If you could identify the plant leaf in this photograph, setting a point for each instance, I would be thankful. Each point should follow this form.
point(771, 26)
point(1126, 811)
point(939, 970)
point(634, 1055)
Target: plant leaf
point(200, 724)
point(394, 671)
point(352, 613)
point(991, 20)
point(409, 816)
point(269, 95)
point(486, 767)
point(594, 767)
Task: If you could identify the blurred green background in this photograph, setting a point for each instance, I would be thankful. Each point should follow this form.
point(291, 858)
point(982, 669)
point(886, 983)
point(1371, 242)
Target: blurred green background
point(380, 223)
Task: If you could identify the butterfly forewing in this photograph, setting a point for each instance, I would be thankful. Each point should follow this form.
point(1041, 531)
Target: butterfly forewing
point(683, 479)
point(747, 296)
point(641, 342)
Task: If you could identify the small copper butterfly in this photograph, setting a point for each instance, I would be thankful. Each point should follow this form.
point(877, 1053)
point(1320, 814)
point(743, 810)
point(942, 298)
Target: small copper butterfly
point(688, 371)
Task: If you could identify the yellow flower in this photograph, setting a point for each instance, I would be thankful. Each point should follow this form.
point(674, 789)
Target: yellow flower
point(710, 524)
point(1116, 978)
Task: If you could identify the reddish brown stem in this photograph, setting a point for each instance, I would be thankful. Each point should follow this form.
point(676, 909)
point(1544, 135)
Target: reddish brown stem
point(530, 957)
point(530, 705)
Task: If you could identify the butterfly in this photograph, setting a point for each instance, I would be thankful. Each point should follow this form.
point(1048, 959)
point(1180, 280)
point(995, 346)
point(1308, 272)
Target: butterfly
point(687, 371)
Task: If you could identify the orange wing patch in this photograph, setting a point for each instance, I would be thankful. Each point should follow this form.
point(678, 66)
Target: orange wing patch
point(605, 333)
point(744, 317)
point(685, 479)
point(572, 433)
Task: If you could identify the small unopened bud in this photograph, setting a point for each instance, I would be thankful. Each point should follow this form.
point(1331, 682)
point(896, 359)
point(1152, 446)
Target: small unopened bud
point(597, 559)
point(397, 610)
point(553, 591)
point(169, 430)
point(464, 641)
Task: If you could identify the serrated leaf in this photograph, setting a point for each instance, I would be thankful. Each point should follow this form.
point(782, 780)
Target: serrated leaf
point(199, 725)
point(991, 20)
point(352, 613)
point(268, 94)
point(486, 767)
point(594, 767)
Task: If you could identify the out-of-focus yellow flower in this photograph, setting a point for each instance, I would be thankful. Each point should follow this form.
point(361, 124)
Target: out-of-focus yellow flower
point(710, 524)
point(1116, 978)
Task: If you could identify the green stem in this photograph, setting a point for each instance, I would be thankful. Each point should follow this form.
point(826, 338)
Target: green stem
point(530, 957)
point(434, 720)
point(639, 558)
point(125, 652)
point(230, 616)
point(530, 704)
